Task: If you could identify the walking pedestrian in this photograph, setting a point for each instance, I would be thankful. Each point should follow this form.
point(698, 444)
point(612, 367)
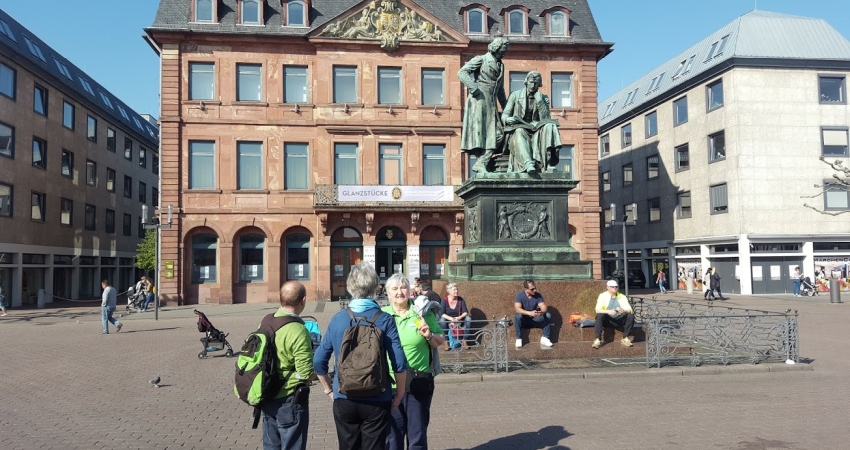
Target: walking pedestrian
point(797, 278)
point(107, 307)
point(2, 304)
point(660, 279)
point(715, 283)
point(706, 285)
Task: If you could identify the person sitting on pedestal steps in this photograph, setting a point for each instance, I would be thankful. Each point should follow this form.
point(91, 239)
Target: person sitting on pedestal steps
point(531, 312)
point(613, 309)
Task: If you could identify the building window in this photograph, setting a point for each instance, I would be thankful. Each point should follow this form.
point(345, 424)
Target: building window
point(204, 10)
point(470, 163)
point(558, 23)
point(389, 85)
point(295, 84)
point(605, 145)
point(110, 221)
point(128, 149)
point(629, 212)
point(626, 135)
point(834, 141)
point(143, 192)
point(6, 200)
point(434, 164)
point(296, 166)
point(516, 81)
point(155, 163)
point(127, 225)
point(562, 90)
point(345, 84)
point(7, 141)
point(517, 22)
point(565, 161)
point(651, 120)
point(714, 91)
point(91, 129)
point(296, 14)
point(128, 186)
point(66, 212)
point(652, 167)
point(684, 205)
point(433, 87)
point(475, 21)
point(250, 10)
point(345, 164)
point(110, 180)
point(86, 86)
point(154, 197)
point(683, 158)
point(39, 153)
point(204, 265)
point(110, 139)
point(201, 81)
point(717, 146)
point(606, 181)
point(627, 175)
point(143, 157)
point(91, 173)
point(7, 81)
point(39, 100)
point(298, 257)
point(201, 165)
point(680, 111)
point(719, 201)
point(654, 209)
point(251, 258)
point(67, 115)
point(833, 89)
point(67, 164)
point(249, 83)
point(91, 217)
point(249, 165)
point(835, 196)
point(607, 217)
point(389, 167)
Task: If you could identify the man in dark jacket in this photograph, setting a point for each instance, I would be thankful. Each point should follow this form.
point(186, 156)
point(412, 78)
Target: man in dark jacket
point(715, 283)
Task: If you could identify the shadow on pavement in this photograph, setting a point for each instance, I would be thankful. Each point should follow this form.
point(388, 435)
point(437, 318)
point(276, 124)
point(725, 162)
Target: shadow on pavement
point(547, 437)
point(151, 329)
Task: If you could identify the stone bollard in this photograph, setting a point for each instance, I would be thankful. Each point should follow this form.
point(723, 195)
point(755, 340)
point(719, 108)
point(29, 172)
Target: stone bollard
point(42, 299)
point(834, 291)
point(690, 284)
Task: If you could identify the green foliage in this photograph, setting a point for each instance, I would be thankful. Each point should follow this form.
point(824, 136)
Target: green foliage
point(146, 252)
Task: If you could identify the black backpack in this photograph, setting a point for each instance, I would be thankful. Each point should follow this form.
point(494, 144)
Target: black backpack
point(257, 378)
point(363, 370)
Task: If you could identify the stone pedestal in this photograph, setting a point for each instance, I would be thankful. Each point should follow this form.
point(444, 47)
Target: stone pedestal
point(516, 229)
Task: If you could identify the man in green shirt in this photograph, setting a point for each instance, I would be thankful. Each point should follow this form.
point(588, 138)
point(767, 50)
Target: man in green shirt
point(286, 417)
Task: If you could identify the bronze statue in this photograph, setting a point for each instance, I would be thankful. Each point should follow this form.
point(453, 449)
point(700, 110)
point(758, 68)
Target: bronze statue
point(531, 135)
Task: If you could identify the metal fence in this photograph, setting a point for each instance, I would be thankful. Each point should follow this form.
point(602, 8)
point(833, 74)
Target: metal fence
point(695, 333)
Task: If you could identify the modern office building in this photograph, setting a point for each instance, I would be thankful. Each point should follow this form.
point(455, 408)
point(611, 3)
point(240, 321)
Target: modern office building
point(719, 148)
point(301, 137)
point(76, 166)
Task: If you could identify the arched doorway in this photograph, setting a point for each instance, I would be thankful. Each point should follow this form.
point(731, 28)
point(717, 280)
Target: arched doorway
point(390, 252)
point(346, 250)
point(433, 253)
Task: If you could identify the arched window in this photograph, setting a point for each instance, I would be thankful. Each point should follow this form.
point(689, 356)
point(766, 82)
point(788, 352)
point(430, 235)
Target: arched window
point(475, 21)
point(557, 23)
point(296, 14)
point(204, 258)
point(298, 256)
point(204, 10)
point(251, 12)
point(251, 258)
point(517, 22)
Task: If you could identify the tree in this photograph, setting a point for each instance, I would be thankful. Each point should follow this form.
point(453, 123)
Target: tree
point(146, 252)
point(840, 181)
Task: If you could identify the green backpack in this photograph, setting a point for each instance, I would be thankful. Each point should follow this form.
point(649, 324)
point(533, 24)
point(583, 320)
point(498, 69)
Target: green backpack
point(257, 378)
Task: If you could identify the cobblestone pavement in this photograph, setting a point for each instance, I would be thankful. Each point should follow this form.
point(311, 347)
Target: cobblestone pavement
point(66, 386)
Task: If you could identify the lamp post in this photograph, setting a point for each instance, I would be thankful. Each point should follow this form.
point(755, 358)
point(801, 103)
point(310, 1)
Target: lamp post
point(155, 224)
point(624, 223)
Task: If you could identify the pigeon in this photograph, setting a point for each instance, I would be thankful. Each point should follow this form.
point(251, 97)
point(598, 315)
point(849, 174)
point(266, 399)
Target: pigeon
point(155, 381)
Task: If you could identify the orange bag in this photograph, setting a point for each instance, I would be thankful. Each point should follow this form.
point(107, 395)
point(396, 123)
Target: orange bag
point(576, 317)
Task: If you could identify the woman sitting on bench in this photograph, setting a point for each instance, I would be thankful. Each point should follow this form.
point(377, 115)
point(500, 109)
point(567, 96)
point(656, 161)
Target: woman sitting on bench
point(453, 311)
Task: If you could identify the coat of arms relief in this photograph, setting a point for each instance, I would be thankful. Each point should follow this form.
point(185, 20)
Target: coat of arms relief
point(387, 21)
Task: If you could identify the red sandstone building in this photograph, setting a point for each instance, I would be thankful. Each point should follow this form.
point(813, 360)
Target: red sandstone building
point(301, 137)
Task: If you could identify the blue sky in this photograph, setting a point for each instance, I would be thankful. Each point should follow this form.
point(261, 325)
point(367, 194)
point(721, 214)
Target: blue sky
point(103, 37)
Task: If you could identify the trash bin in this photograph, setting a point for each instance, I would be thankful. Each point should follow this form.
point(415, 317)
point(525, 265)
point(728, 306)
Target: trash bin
point(834, 291)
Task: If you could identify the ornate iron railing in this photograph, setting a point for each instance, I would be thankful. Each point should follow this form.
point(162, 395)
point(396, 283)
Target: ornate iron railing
point(696, 333)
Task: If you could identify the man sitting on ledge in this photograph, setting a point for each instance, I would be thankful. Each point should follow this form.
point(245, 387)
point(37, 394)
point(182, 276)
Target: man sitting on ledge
point(531, 313)
point(613, 309)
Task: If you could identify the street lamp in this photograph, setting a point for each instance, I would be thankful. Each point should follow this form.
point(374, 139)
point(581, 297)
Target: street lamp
point(624, 223)
point(156, 225)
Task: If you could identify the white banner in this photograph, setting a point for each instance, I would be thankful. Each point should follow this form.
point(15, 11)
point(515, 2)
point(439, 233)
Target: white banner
point(369, 254)
point(412, 262)
point(350, 193)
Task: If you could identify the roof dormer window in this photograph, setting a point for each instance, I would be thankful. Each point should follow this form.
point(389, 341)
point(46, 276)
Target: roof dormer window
point(517, 21)
point(204, 11)
point(475, 18)
point(557, 19)
point(250, 12)
point(296, 13)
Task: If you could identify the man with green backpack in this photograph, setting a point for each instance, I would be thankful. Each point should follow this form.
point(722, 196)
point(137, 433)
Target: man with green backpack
point(274, 370)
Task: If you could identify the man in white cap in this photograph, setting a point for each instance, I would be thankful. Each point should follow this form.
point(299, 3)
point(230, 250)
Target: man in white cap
point(613, 309)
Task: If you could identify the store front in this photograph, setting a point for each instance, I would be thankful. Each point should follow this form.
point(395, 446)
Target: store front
point(346, 251)
point(390, 252)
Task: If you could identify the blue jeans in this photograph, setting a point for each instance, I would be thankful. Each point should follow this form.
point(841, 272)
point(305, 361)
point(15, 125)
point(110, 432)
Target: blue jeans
point(285, 424)
point(797, 286)
point(412, 417)
point(106, 317)
point(661, 286)
point(467, 323)
point(522, 321)
point(148, 300)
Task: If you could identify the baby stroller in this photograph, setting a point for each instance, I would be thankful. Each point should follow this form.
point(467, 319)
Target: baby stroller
point(214, 340)
point(312, 326)
point(808, 288)
point(135, 300)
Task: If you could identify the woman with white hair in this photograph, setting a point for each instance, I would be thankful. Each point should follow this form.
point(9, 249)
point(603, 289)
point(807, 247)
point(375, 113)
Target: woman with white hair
point(453, 310)
point(418, 335)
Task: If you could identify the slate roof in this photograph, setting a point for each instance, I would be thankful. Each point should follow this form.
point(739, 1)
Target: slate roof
point(175, 15)
point(758, 37)
point(60, 68)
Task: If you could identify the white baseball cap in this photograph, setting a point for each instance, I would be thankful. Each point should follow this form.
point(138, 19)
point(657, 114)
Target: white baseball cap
point(613, 283)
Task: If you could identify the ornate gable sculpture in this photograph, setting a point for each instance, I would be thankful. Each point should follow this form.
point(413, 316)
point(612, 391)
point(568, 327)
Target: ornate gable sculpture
point(388, 21)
